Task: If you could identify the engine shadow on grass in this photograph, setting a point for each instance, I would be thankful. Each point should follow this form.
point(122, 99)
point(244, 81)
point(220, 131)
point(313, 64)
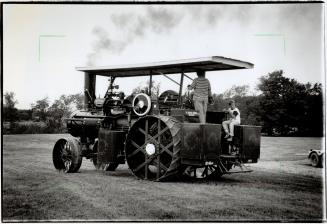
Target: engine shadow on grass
point(126, 173)
point(98, 172)
point(118, 173)
point(232, 179)
point(209, 180)
point(309, 165)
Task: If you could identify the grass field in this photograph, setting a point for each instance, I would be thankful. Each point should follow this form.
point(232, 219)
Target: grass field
point(283, 187)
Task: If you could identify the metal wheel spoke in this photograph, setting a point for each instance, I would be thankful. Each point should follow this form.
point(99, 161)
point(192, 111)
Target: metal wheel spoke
point(153, 137)
point(67, 164)
point(158, 157)
point(145, 155)
point(65, 152)
point(220, 169)
point(165, 149)
point(144, 164)
point(67, 155)
point(160, 165)
point(161, 132)
point(139, 148)
point(67, 146)
point(212, 168)
point(201, 172)
point(142, 131)
point(154, 128)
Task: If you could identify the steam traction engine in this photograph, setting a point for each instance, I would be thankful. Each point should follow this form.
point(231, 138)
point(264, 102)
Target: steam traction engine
point(159, 138)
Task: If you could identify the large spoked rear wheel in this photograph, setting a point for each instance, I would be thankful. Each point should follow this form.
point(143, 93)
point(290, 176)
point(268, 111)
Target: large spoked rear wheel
point(152, 147)
point(66, 155)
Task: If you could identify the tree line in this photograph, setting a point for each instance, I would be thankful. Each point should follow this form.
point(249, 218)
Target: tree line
point(42, 117)
point(284, 107)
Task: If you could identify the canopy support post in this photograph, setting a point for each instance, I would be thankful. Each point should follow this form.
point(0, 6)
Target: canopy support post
point(150, 83)
point(180, 90)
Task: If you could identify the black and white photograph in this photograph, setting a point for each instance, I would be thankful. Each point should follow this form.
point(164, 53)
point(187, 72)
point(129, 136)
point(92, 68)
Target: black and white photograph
point(163, 112)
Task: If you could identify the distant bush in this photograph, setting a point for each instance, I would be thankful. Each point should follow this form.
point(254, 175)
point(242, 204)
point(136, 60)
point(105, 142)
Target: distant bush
point(30, 127)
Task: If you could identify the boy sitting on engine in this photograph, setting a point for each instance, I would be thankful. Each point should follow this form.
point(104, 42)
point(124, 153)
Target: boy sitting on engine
point(234, 120)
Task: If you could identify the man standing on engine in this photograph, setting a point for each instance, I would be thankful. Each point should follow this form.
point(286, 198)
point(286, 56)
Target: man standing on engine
point(202, 91)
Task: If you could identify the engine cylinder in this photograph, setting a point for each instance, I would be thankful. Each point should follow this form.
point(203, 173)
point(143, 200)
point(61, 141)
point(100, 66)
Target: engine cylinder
point(88, 127)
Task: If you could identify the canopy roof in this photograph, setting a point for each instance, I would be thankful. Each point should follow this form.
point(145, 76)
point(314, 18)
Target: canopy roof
point(213, 63)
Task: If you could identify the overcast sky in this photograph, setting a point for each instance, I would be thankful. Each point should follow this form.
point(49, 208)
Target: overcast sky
point(43, 44)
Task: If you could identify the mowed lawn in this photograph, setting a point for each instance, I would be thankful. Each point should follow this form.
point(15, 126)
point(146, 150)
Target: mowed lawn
point(282, 187)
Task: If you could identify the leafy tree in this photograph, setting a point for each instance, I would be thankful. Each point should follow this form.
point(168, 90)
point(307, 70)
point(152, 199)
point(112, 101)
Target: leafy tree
point(24, 115)
point(66, 104)
point(63, 108)
point(285, 105)
point(248, 105)
point(313, 115)
point(60, 107)
point(155, 89)
point(78, 100)
point(272, 104)
point(219, 103)
point(40, 109)
point(9, 109)
point(237, 91)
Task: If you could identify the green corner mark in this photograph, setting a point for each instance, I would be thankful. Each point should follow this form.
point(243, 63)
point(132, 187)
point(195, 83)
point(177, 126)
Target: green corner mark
point(46, 36)
point(274, 35)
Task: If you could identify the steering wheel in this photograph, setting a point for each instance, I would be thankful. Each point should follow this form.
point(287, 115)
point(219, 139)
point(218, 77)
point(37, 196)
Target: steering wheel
point(141, 104)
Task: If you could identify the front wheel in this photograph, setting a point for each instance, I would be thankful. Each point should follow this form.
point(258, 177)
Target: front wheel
point(66, 155)
point(315, 160)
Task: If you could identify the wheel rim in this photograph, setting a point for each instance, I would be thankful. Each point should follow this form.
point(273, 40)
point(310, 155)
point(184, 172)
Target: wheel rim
point(141, 104)
point(314, 159)
point(62, 155)
point(66, 155)
point(149, 148)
